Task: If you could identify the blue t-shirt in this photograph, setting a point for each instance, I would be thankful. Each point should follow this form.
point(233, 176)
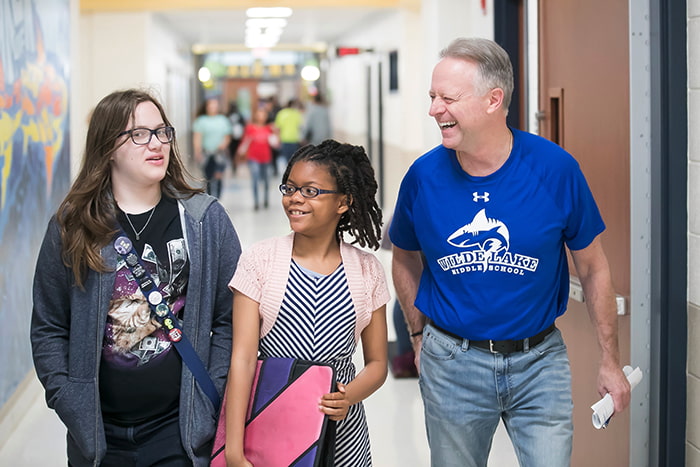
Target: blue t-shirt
point(495, 262)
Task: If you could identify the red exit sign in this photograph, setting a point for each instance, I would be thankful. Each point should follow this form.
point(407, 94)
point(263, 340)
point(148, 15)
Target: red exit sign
point(343, 51)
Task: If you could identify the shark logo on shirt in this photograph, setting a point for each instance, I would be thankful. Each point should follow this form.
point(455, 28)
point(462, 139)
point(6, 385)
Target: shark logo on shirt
point(487, 234)
point(486, 243)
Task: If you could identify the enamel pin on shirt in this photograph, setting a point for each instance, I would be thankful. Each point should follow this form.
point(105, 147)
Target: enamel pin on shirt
point(160, 308)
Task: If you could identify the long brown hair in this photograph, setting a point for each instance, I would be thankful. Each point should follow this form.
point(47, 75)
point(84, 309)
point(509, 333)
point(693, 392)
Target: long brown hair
point(87, 216)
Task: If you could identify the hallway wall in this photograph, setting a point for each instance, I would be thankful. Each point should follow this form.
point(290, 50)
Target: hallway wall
point(400, 31)
point(692, 456)
point(35, 82)
point(46, 96)
point(418, 37)
point(122, 50)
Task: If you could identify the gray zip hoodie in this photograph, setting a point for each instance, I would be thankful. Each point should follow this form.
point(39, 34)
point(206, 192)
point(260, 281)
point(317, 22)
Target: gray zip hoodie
point(68, 325)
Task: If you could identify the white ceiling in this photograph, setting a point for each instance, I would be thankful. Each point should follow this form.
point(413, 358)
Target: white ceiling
point(305, 27)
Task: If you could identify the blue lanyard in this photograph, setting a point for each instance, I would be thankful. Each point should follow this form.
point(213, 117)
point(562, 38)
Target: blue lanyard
point(164, 315)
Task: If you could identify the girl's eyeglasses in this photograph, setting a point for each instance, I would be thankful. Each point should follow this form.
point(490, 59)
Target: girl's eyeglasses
point(306, 191)
point(164, 134)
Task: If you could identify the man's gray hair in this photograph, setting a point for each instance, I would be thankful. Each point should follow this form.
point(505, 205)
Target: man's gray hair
point(493, 63)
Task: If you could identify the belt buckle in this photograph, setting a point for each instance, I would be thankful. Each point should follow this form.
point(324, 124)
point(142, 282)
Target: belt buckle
point(491, 349)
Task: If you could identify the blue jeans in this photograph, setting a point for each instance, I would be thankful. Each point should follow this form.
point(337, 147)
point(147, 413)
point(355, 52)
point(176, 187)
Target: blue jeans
point(286, 152)
point(258, 174)
point(467, 390)
point(214, 167)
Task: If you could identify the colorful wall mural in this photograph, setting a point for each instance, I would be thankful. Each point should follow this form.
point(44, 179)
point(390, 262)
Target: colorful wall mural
point(34, 160)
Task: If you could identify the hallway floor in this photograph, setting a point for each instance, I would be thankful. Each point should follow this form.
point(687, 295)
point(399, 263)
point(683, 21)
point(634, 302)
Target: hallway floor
point(394, 412)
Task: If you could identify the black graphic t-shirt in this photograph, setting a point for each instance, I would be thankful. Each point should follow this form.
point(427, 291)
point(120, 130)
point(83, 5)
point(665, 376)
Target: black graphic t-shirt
point(140, 369)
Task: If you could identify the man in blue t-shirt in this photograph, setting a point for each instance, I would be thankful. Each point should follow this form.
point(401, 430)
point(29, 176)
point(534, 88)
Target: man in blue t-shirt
point(493, 210)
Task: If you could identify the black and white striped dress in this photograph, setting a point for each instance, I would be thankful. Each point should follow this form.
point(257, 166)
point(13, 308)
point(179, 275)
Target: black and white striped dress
point(317, 322)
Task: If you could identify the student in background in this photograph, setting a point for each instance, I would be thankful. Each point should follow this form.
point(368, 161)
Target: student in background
point(256, 147)
point(272, 107)
point(317, 125)
point(237, 127)
point(289, 122)
point(211, 139)
point(402, 364)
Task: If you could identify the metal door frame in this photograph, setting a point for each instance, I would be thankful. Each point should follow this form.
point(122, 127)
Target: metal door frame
point(669, 264)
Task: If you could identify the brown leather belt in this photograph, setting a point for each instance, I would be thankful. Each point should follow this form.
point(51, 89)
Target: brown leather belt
point(506, 346)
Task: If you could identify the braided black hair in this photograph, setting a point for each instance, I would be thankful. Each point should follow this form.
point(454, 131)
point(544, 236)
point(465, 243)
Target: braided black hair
point(354, 177)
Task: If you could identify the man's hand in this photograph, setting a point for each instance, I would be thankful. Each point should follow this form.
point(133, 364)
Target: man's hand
point(612, 380)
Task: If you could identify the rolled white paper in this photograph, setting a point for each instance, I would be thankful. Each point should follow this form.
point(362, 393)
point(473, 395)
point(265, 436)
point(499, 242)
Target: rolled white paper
point(605, 408)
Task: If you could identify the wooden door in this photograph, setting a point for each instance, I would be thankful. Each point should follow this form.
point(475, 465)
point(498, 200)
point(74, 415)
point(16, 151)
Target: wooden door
point(584, 93)
point(244, 92)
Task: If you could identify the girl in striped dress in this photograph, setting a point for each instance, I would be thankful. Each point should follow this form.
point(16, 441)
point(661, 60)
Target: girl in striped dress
point(311, 295)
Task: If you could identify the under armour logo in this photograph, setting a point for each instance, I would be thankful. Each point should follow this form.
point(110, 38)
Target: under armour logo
point(484, 197)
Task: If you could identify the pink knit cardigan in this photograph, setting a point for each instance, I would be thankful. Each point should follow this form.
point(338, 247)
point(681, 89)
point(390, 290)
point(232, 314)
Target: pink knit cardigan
point(263, 272)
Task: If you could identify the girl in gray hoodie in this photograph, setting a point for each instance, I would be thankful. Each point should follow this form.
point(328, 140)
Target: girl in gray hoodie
point(110, 370)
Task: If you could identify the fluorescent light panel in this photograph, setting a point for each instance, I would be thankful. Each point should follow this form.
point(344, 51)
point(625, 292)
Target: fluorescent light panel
point(274, 12)
point(265, 22)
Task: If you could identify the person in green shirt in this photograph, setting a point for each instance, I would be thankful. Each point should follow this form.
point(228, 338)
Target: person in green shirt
point(289, 122)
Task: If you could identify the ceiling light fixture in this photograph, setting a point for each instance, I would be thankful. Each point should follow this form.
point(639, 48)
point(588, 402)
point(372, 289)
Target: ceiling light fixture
point(274, 12)
point(204, 74)
point(265, 23)
point(264, 26)
point(310, 73)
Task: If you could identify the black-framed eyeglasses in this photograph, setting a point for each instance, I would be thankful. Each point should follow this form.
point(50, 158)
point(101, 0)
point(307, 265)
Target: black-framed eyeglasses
point(165, 134)
point(306, 191)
